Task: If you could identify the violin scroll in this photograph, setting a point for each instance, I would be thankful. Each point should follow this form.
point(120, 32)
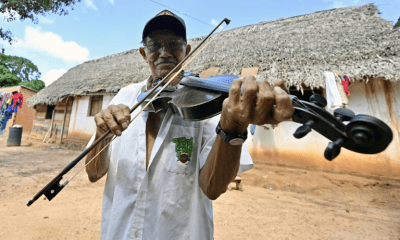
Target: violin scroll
point(370, 133)
point(363, 134)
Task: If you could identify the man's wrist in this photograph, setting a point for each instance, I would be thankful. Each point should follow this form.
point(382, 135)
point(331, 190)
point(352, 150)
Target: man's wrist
point(233, 138)
point(230, 128)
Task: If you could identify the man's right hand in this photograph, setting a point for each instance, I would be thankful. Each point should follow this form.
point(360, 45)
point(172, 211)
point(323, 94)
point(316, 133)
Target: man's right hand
point(115, 117)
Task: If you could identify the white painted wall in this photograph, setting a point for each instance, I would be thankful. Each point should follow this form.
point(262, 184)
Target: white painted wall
point(81, 124)
point(278, 145)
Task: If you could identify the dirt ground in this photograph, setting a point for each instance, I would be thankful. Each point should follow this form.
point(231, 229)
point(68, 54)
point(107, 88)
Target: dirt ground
point(276, 202)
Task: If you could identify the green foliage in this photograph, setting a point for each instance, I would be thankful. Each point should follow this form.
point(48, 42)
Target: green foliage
point(28, 9)
point(19, 71)
point(21, 67)
point(34, 84)
point(7, 79)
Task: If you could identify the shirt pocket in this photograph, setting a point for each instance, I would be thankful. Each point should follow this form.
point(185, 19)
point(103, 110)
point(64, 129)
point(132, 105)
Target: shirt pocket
point(183, 149)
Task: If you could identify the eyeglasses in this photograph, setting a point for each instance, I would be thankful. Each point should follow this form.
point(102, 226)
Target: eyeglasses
point(173, 45)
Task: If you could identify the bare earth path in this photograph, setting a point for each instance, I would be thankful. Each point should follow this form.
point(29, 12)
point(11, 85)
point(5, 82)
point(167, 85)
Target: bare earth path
point(276, 202)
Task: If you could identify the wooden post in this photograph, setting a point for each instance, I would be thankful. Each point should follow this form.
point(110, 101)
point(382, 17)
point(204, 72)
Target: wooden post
point(52, 120)
point(52, 139)
point(44, 139)
point(51, 125)
point(63, 122)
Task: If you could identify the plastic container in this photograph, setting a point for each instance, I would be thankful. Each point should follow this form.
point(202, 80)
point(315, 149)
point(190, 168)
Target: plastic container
point(14, 136)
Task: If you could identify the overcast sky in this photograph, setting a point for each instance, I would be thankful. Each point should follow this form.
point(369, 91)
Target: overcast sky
point(97, 28)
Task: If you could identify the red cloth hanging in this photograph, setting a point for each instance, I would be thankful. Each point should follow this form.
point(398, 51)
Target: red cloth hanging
point(18, 98)
point(345, 84)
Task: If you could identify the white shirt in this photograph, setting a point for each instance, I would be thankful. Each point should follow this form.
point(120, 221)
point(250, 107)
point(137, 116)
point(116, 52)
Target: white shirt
point(164, 202)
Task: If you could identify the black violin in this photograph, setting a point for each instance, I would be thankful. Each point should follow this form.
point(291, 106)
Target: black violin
point(195, 99)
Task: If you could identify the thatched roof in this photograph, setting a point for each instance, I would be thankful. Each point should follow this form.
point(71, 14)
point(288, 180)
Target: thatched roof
point(397, 25)
point(354, 41)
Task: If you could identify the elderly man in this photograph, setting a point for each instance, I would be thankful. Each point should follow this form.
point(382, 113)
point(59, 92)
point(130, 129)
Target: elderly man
point(163, 171)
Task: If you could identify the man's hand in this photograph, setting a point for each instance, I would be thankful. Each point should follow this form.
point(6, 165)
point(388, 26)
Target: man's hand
point(115, 117)
point(260, 104)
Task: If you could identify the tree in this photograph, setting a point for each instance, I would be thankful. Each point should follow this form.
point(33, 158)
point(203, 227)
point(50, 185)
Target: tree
point(34, 84)
point(23, 68)
point(28, 9)
point(19, 71)
point(7, 79)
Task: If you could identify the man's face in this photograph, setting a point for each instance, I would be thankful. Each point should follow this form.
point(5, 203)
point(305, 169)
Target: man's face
point(163, 51)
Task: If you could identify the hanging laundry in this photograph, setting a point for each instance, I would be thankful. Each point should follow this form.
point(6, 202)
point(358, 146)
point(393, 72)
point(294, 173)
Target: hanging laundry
point(7, 116)
point(332, 93)
point(18, 98)
point(10, 108)
point(4, 115)
point(345, 84)
point(9, 100)
point(2, 99)
point(341, 89)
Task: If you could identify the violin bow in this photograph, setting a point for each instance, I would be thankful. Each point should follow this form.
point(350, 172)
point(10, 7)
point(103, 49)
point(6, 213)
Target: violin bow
point(54, 186)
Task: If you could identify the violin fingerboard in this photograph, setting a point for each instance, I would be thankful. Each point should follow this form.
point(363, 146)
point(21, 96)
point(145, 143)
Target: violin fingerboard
point(217, 83)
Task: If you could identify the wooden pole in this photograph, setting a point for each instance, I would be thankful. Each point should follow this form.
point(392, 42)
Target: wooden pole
point(52, 120)
point(44, 139)
point(52, 139)
point(63, 122)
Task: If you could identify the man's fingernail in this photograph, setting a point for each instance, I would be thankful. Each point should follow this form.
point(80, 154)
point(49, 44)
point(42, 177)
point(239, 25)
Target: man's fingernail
point(118, 132)
point(124, 125)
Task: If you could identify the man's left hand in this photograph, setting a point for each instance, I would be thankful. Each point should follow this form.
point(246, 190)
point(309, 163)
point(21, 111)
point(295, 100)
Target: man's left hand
point(259, 104)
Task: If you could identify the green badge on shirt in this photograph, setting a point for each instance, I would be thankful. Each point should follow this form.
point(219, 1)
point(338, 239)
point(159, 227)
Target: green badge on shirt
point(183, 148)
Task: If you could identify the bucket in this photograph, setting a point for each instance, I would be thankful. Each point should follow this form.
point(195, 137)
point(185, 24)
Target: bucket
point(14, 136)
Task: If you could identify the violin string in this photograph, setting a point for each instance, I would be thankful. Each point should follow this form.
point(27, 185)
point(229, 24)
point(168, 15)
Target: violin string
point(304, 106)
point(151, 100)
point(108, 144)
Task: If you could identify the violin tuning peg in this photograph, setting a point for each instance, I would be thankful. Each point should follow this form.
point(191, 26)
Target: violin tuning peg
point(304, 129)
point(333, 149)
point(344, 114)
point(318, 99)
